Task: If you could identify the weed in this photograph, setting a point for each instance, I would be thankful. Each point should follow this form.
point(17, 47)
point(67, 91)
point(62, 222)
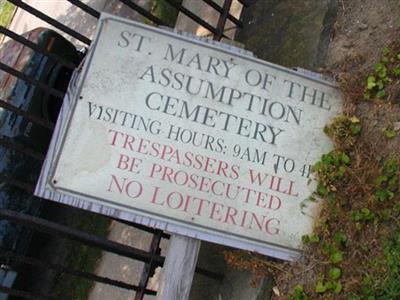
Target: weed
point(384, 73)
point(341, 239)
point(329, 169)
point(344, 130)
point(387, 184)
point(310, 239)
point(334, 286)
point(298, 293)
point(389, 132)
point(363, 215)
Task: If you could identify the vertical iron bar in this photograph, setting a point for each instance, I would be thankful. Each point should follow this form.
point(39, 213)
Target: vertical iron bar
point(192, 16)
point(140, 227)
point(220, 9)
point(149, 267)
point(222, 20)
point(143, 12)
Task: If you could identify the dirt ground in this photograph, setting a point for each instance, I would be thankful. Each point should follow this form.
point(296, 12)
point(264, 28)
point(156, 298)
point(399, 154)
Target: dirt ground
point(354, 34)
point(362, 30)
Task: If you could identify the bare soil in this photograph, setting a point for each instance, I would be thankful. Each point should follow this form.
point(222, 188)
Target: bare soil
point(362, 29)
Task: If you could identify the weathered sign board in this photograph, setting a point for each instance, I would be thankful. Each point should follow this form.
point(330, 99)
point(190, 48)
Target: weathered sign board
point(176, 133)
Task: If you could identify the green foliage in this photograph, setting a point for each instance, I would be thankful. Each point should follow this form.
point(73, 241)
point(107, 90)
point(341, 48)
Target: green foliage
point(353, 297)
point(341, 239)
point(334, 252)
point(390, 286)
point(344, 130)
point(387, 184)
point(320, 287)
point(307, 239)
point(384, 73)
point(389, 132)
point(336, 257)
point(335, 273)
point(364, 214)
point(361, 195)
point(329, 169)
point(331, 285)
point(298, 293)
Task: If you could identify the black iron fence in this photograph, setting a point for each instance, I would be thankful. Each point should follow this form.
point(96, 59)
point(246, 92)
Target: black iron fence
point(18, 149)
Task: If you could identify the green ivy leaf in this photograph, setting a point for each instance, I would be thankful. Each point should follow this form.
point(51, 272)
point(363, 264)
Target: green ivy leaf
point(380, 179)
point(336, 257)
point(389, 133)
point(335, 273)
point(352, 297)
point(386, 51)
point(396, 71)
point(314, 238)
point(371, 82)
point(338, 287)
point(345, 158)
point(355, 128)
point(322, 190)
point(320, 287)
point(381, 94)
point(340, 238)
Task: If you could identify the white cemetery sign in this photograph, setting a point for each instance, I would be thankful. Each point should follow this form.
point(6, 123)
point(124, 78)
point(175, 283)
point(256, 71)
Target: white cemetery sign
point(185, 136)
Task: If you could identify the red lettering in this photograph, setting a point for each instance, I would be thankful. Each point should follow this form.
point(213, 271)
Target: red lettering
point(129, 139)
point(114, 135)
point(155, 168)
point(143, 146)
point(230, 214)
point(129, 163)
point(126, 187)
point(215, 211)
point(178, 200)
point(155, 196)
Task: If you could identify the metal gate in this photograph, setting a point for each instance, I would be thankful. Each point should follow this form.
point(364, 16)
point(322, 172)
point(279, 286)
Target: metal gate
point(25, 131)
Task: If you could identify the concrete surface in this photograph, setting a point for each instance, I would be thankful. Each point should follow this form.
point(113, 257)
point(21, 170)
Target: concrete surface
point(122, 268)
point(236, 284)
point(289, 32)
point(72, 16)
